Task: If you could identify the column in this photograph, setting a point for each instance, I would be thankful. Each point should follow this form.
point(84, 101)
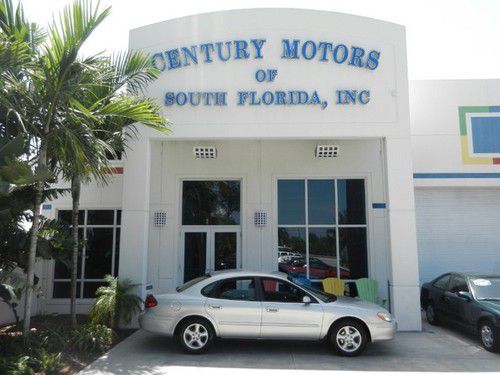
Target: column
point(135, 214)
point(403, 256)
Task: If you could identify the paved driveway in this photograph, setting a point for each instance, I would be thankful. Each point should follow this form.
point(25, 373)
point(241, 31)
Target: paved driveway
point(435, 349)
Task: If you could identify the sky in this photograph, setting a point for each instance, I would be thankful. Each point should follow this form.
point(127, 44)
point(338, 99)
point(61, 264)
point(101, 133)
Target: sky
point(446, 39)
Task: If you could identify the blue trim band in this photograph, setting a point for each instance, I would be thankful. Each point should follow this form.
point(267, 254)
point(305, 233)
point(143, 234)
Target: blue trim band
point(456, 175)
point(378, 205)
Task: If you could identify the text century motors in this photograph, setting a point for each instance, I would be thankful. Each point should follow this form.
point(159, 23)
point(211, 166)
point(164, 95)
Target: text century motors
point(291, 49)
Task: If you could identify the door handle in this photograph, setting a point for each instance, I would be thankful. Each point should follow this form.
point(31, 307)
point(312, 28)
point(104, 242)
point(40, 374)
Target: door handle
point(216, 307)
point(272, 309)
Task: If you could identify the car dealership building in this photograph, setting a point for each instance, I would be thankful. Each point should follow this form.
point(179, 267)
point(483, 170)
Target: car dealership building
point(297, 144)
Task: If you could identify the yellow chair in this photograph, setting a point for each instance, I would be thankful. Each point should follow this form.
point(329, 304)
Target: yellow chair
point(334, 286)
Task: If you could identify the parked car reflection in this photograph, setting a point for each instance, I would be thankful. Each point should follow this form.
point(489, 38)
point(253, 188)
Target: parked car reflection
point(318, 269)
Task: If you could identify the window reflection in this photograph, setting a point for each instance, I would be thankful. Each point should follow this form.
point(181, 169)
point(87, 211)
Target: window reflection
point(291, 202)
point(319, 257)
point(211, 203)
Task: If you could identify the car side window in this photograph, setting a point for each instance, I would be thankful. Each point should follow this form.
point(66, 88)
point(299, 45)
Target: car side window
point(442, 283)
point(207, 291)
point(239, 289)
point(275, 290)
point(458, 284)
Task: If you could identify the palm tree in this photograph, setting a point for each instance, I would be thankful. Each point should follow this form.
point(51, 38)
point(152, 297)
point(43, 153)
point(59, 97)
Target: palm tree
point(41, 95)
point(110, 105)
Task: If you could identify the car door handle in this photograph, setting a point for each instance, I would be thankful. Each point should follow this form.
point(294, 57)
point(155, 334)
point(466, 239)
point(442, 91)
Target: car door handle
point(216, 307)
point(272, 309)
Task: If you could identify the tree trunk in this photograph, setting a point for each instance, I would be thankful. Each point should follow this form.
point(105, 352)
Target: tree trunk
point(30, 275)
point(75, 196)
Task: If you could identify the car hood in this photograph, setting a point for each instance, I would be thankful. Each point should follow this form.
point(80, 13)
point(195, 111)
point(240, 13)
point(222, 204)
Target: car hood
point(493, 306)
point(355, 303)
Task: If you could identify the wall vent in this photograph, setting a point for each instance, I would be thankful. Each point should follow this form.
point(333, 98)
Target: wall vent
point(160, 218)
point(205, 152)
point(260, 218)
point(327, 151)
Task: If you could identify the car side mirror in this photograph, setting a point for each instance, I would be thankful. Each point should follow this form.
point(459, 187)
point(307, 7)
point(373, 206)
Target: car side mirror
point(465, 295)
point(306, 300)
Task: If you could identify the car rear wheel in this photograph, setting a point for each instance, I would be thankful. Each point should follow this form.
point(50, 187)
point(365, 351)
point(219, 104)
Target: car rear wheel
point(196, 335)
point(489, 337)
point(430, 314)
point(348, 337)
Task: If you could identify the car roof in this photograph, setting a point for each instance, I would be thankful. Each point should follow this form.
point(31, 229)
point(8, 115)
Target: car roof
point(241, 273)
point(473, 274)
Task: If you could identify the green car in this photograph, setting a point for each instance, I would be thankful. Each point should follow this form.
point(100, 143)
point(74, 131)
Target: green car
point(468, 300)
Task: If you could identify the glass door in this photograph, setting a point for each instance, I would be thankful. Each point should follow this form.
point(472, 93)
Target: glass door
point(210, 249)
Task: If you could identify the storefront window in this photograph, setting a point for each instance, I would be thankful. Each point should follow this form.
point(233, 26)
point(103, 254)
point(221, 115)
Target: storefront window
point(99, 233)
point(322, 228)
point(211, 203)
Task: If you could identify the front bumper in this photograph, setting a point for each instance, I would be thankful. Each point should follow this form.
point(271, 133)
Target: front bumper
point(383, 331)
point(156, 324)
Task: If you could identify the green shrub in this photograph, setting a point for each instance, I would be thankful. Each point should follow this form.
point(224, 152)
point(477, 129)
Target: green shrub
point(49, 363)
point(15, 365)
point(115, 302)
point(92, 338)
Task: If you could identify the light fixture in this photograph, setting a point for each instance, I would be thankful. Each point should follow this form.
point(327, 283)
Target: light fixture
point(205, 152)
point(327, 151)
point(160, 218)
point(260, 218)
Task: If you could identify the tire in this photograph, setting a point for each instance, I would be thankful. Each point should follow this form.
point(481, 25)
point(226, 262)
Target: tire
point(196, 335)
point(348, 337)
point(489, 336)
point(431, 316)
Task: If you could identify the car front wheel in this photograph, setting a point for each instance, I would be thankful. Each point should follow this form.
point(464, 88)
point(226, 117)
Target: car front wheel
point(489, 337)
point(196, 336)
point(348, 337)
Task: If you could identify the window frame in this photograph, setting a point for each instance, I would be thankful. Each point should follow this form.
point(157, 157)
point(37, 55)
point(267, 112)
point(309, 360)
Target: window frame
point(82, 280)
point(337, 226)
point(262, 293)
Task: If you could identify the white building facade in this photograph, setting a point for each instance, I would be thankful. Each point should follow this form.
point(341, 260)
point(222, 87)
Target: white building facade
point(292, 150)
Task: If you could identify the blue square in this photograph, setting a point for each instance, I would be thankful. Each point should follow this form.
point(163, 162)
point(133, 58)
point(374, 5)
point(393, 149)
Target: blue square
point(485, 135)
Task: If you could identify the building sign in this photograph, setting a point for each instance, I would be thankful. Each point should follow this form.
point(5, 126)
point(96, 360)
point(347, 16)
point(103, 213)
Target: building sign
point(226, 52)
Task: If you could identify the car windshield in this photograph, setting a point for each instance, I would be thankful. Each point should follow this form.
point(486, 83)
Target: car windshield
point(325, 297)
point(486, 288)
point(190, 283)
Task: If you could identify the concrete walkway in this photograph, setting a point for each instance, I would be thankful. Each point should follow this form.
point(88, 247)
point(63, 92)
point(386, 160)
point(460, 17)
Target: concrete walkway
point(436, 349)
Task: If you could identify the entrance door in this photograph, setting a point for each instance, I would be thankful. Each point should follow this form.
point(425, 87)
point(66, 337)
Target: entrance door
point(210, 249)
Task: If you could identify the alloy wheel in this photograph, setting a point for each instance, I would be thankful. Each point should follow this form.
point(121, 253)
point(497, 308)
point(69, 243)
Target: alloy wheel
point(195, 336)
point(349, 339)
point(487, 336)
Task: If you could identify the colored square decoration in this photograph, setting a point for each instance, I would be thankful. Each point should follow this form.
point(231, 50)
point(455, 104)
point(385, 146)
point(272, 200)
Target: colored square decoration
point(480, 134)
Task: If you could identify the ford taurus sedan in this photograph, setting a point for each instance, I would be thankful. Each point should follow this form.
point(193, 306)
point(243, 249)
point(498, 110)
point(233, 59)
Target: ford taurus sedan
point(467, 300)
point(248, 305)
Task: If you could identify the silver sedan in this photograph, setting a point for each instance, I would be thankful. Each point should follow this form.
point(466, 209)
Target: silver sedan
point(252, 305)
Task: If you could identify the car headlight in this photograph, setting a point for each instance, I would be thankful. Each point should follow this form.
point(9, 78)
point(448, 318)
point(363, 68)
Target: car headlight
point(386, 317)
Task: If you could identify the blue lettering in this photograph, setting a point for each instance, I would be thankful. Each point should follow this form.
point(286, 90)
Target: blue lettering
point(173, 59)
point(189, 53)
point(219, 50)
point(372, 61)
point(309, 55)
point(325, 47)
point(268, 98)
point(364, 97)
point(258, 43)
point(357, 54)
point(280, 97)
point(159, 62)
point(260, 75)
point(314, 98)
point(208, 48)
point(340, 49)
point(241, 49)
point(290, 52)
point(242, 97)
point(169, 98)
